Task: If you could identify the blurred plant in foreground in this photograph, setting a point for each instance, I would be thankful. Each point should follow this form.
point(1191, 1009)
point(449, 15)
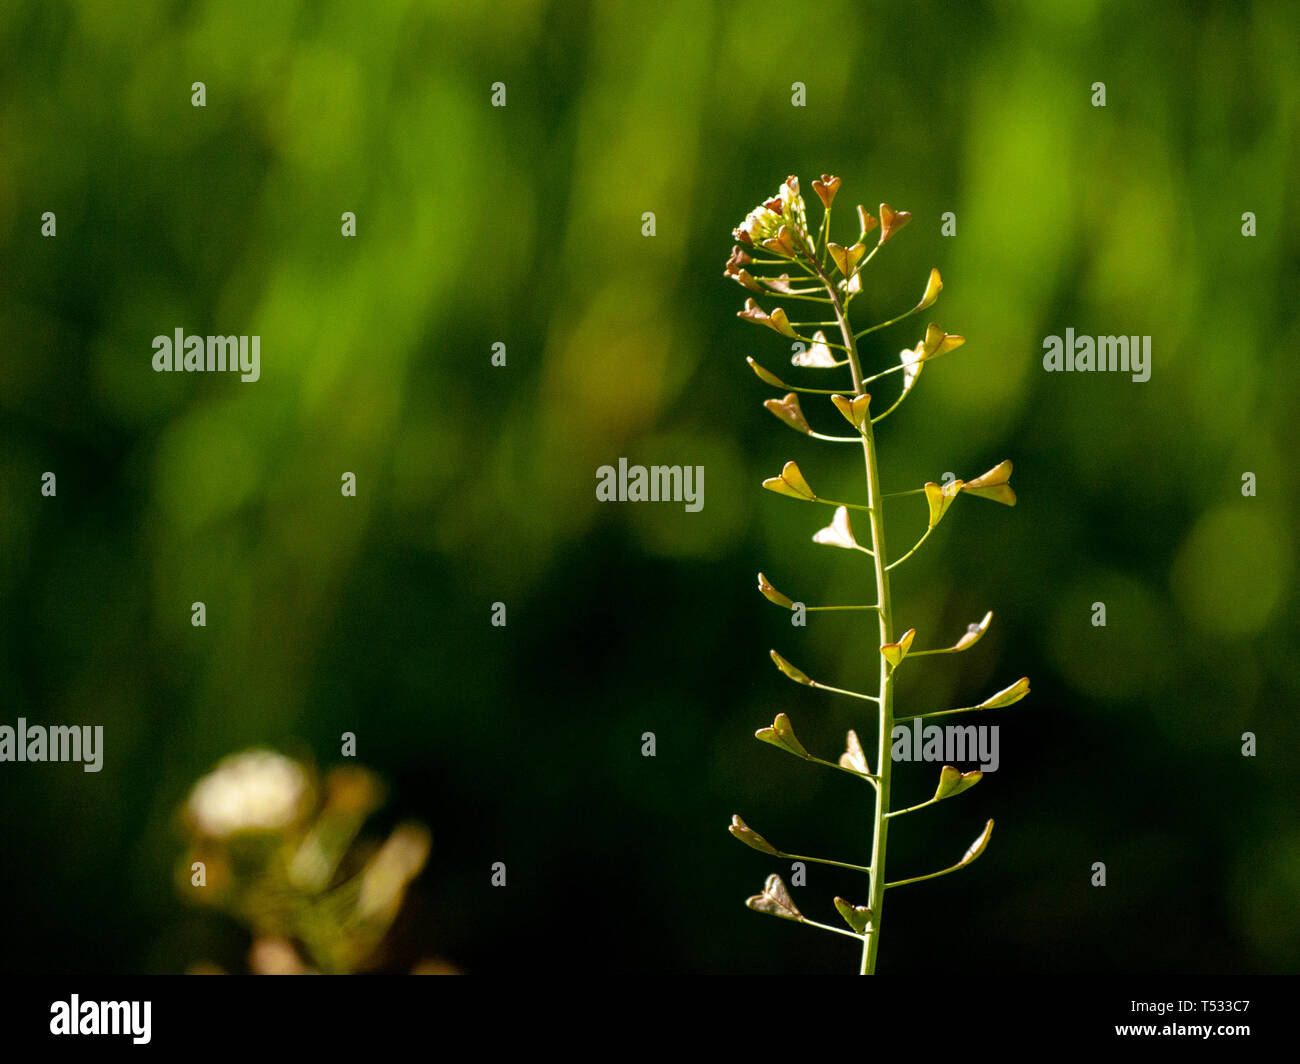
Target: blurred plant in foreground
point(278, 850)
point(817, 270)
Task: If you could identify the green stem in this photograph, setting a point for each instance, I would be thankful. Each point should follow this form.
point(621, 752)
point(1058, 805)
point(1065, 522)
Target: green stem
point(873, 780)
point(933, 875)
point(915, 548)
point(827, 927)
point(831, 439)
point(886, 324)
point(792, 295)
point(823, 860)
point(897, 403)
point(836, 502)
point(884, 373)
point(912, 808)
point(942, 712)
point(875, 507)
point(842, 691)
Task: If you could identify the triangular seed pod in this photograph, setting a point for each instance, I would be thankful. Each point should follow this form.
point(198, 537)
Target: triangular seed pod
point(818, 356)
point(932, 289)
point(789, 411)
point(891, 221)
point(781, 734)
point(856, 411)
point(974, 632)
point(752, 838)
point(1007, 696)
point(977, 847)
point(994, 484)
point(775, 900)
point(772, 594)
point(791, 482)
point(856, 916)
point(839, 533)
point(853, 758)
point(896, 652)
point(795, 674)
point(953, 781)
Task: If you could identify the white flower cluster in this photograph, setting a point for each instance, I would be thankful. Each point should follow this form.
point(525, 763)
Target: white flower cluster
point(764, 222)
point(257, 790)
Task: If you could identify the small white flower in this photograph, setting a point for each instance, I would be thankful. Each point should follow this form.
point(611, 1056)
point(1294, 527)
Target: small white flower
point(257, 790)
point(785, 208)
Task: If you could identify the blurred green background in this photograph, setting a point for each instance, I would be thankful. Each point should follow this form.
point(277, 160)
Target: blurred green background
point(476, 484)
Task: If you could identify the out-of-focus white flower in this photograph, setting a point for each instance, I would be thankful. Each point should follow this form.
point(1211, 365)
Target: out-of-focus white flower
point(257, 790)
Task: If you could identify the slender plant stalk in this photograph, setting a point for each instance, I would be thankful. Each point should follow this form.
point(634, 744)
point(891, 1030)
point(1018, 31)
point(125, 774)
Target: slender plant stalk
point(780, 227)
point(876, 513)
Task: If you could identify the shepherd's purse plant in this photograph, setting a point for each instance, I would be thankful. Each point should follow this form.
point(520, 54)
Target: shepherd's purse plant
point(817, 272)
